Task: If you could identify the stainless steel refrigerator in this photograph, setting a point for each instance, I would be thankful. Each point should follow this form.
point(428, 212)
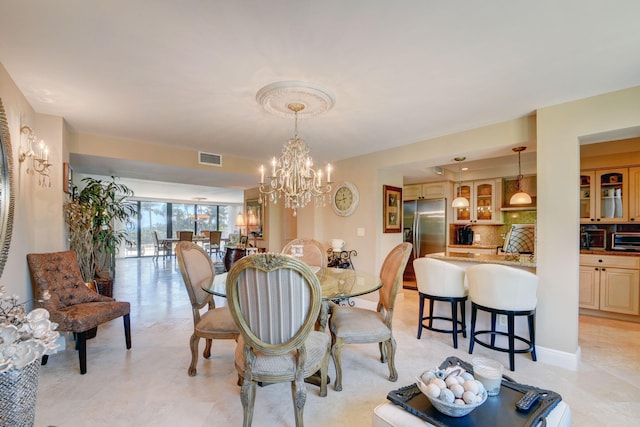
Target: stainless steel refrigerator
point(425, 226)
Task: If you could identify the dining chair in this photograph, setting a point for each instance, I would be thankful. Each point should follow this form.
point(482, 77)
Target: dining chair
point(503, 290)
point(354, 325)
point(213, 245)
point(185, 236)
point(309, 251)
point(159, 247)
point(275, 301)
point(441, 281)
point(73, 305)
point(215, 323)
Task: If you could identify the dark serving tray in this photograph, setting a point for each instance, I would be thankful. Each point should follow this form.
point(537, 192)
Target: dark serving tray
point(498, 411)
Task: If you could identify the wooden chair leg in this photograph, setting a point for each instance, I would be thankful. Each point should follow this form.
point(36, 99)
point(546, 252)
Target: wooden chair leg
point(474, 312)
point(81, 347)
point(532, 335)
point(512, 340)
point(454, 322)
point(464, 318)
point(420, 315)
point(45, 359)
point(127, 330)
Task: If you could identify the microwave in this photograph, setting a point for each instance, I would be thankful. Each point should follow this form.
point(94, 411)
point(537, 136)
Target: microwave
point(593, 239)
point(625, 242)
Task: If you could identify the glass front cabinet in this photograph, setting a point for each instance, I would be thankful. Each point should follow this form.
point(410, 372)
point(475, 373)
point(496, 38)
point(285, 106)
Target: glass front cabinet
point(484, 202)
point(604, 196)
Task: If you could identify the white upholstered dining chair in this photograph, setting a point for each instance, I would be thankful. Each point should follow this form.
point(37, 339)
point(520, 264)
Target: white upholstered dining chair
point(275, 301)
point(353, 325)
point(215, 323)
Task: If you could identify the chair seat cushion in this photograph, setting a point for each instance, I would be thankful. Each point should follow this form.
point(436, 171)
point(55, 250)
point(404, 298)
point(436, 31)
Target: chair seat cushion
point(218, 320)
point(317, 345)
point(82, 317)
point(358, 325)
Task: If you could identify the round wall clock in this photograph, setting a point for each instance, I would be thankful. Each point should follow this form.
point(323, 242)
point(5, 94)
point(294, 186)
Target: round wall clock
point(345, 199)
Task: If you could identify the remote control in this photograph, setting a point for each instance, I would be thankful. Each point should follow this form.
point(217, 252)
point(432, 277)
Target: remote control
point(527, 401)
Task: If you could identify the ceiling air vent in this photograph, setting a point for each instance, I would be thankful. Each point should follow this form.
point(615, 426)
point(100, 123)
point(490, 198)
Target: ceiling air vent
point(209, 159)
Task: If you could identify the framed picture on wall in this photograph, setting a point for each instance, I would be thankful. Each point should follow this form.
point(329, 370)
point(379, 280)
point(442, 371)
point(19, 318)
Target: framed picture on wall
point(392, 209)
point(67, 178)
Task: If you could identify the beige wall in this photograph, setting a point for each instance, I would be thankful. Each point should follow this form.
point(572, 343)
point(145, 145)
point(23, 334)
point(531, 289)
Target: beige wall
point(560, 129)
point(38, 223)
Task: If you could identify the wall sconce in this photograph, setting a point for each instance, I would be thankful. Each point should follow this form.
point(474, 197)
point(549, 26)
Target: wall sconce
point(39, 160)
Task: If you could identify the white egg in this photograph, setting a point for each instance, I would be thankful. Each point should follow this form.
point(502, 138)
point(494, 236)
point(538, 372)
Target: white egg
point(457, 390)
point(451, 380)
point(470, 385)
point(467, 376)
point(459, 402)
point(481, 388)
point(439, 382)
point(461, 380)
point(427, 376)
point(469, 397)
point(433, 391)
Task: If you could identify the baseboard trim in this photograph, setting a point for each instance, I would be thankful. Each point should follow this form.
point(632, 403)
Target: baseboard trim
point(558, 358)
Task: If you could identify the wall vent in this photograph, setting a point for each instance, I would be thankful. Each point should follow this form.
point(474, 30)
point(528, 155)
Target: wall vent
point(209, 159)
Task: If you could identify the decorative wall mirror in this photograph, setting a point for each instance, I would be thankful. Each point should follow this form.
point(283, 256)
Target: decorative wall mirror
point(254, 218)
point(6, 189)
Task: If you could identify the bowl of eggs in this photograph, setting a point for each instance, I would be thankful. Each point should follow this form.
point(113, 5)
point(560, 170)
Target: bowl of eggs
point(452, 391)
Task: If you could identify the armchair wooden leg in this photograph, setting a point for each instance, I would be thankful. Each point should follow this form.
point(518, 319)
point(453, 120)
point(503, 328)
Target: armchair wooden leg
point(81, 346)
point(336, 355)
point(127, 330)
point(193, 343)
point(45, 359)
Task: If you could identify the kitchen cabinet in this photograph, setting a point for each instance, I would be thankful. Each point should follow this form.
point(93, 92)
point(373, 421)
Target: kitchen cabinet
point(634, 194)
point(610, 283)
point(485, 200)
point(430, 190)
point(604, 196)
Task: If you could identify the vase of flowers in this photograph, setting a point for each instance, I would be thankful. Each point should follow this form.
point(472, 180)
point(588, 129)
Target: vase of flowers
point(24, 339)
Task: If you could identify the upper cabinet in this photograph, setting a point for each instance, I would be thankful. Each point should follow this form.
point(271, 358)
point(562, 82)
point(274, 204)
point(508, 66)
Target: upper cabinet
point(431, 190)
point(634, 194)
point(604, 196)
point(485, 199)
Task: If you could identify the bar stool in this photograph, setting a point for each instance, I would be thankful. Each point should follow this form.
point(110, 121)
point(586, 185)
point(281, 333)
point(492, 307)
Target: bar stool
point(441, 281)
point(498, 289)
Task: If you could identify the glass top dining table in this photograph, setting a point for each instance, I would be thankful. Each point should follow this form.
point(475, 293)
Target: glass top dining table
point(337, 285)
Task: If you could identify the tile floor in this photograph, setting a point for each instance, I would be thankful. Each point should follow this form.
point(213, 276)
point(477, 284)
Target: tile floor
point(149, 386)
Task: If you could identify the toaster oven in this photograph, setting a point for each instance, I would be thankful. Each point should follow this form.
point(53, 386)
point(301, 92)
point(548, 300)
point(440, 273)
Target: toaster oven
point(625, 242)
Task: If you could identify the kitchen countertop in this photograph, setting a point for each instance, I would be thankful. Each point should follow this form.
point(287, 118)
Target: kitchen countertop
point(601, 252)
point(521, 261)
point(475, 246)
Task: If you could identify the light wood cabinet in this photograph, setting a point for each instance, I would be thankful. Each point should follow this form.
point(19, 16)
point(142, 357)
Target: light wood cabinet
point(430, 190)
point(485, 200)
point(610, 283)
point(604, 196)
point(634, 194)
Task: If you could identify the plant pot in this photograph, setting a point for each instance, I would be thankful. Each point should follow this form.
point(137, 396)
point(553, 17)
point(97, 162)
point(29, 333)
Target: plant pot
point(105, 286)
point(18, 391)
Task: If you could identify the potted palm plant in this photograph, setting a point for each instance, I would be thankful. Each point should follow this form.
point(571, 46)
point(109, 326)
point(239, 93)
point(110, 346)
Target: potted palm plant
point(93, 218)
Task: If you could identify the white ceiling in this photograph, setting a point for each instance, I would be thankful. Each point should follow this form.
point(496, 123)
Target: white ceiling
point(186, 73)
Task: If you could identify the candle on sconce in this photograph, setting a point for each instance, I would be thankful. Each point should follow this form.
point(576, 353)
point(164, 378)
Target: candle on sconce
point(46, 153)
point(320, 177)
point(273, 166)
point(329, 172)
point(41, 146)
point(261, 174)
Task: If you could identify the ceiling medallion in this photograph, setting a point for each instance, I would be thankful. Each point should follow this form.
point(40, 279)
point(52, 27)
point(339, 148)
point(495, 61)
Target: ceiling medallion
point(275, 98)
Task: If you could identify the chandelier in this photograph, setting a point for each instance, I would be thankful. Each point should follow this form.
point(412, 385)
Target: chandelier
point(292, 175)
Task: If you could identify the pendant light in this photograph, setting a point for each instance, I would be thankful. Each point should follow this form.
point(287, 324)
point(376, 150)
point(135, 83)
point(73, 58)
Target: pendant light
point(459, 201)
point(520, 197)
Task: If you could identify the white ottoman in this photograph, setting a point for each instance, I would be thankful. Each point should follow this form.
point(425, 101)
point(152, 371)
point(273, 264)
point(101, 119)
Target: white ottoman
point(391, 415)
